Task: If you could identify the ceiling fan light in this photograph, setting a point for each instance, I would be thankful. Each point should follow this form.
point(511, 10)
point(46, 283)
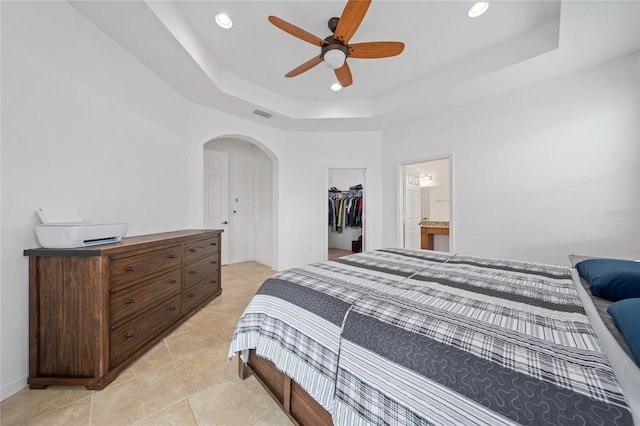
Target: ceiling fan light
point(478, 9)
point(334, 58)
point(223, 21)
point(336, 87)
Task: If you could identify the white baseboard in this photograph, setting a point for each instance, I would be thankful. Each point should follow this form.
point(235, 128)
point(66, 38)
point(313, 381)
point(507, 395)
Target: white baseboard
point(264, 262)
point(9, 389)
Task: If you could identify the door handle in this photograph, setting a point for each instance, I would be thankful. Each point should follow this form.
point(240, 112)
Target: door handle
point(225, 222)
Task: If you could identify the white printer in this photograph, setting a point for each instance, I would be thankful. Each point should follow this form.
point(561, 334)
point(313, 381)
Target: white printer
point(64, 228)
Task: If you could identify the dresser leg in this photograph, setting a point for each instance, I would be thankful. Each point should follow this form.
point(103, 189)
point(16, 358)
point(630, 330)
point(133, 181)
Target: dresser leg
point(37, 386)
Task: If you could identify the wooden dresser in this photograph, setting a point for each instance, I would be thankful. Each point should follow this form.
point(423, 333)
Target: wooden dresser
point(94, 310)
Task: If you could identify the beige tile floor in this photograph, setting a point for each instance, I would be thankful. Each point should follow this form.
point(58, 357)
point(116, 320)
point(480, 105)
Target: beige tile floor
point(184, 380)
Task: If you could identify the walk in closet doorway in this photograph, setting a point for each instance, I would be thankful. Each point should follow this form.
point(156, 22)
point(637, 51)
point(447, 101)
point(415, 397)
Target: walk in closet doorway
point(346, 208)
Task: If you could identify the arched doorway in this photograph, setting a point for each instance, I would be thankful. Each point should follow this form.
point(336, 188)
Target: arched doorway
point(248, 207)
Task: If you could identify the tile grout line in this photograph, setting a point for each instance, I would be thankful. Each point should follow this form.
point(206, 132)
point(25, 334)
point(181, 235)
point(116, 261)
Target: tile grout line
point(158, 412)
point(91, 408)
point(184, 388)
point(59, 407)
point(186, 397)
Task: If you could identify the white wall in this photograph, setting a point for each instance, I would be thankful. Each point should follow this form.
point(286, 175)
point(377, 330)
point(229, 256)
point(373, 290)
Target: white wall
point(434, 203)
point(208, 125)
point(438, 202)
point(250, 201)
point(301, 160)
point(84, 125)
point(303, 176)
point(538, 173)
point(262, 208)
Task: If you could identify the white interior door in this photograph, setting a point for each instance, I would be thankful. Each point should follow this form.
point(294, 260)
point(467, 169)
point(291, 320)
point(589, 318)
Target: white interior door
point(216, 195)
point(411, 208)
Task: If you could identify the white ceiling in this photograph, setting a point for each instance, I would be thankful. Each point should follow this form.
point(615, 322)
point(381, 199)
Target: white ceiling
point(259, 52)
point(449, 58)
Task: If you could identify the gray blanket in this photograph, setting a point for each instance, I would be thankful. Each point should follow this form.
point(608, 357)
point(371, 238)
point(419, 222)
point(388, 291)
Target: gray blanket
point(419, 337)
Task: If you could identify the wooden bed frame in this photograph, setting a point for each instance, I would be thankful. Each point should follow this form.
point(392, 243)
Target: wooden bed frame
point(297, 404)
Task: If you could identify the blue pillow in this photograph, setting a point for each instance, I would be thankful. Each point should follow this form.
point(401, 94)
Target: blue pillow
point(626, 316)
point(611, 279)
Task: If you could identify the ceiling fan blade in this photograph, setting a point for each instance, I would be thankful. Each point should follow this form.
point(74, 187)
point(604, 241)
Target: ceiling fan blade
point(350, 19)
point(296, 32)
point(344, 75)
point(375, 49)
point(304, 67)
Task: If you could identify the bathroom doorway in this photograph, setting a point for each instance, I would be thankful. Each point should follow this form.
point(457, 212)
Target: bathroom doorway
point(435, 203)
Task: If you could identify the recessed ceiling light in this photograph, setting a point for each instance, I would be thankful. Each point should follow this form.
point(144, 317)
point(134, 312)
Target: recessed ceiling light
point(478, 9)
point(223, 20)
point(336, 86)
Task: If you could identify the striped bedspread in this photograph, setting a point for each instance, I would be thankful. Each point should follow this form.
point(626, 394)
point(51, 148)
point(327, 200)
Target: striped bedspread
point(402, 336)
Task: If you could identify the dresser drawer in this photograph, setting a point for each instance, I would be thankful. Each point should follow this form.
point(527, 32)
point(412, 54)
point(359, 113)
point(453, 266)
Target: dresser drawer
point(127, 269)
point(132, 335)
point(138, 298)
point(194, 295)
point(199, 269)
point(197, 249)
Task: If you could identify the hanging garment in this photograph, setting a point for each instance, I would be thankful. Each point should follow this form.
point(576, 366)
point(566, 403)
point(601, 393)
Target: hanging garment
point(332, 212)
point(353, 212)
point(345, 210)
point(340, 211)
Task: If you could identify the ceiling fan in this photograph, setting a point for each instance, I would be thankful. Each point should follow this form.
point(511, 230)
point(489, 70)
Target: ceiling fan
point(335, 49)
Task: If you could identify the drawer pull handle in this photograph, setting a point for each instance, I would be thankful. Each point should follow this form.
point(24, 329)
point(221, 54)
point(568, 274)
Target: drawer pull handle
point(129, 335)
point(172, 256)
point(172, 308)
point(129, 269)
point(192, 272)
point(214, 244)
point(129, 301)
point(193, 250)
point(192, 295)
point(213, 262)
point(172, 281)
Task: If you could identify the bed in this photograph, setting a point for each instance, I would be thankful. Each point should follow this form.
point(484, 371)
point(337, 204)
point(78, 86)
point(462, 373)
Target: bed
point(401, 336)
